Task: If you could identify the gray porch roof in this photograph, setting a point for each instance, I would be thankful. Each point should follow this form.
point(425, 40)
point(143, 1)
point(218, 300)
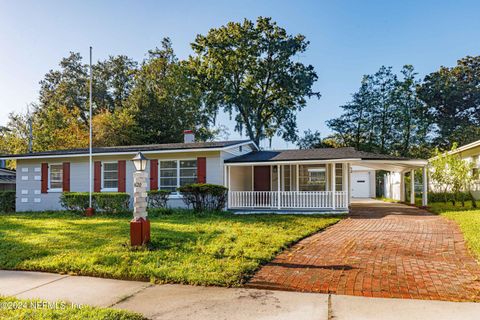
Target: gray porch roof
point(371, 160)
point(312, 154)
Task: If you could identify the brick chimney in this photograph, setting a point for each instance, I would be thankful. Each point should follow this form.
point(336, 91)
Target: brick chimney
point(188, 136)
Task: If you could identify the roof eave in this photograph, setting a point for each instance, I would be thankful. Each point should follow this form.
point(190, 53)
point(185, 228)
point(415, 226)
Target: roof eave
point(84, 154)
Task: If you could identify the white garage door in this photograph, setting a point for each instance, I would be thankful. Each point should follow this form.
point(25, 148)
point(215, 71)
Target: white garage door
point(360, 184)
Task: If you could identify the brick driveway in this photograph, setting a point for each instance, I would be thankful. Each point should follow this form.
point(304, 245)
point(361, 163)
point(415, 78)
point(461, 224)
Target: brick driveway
point(381, 250)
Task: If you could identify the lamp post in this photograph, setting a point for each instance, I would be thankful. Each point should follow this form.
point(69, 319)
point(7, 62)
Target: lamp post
point(140, 225)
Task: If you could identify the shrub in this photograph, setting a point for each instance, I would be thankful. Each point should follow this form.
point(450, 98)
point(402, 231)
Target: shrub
point(449, 197)
point(157, 198)
point(157, 212)
point(204, 196)
point(109, 202)
point(7, 201)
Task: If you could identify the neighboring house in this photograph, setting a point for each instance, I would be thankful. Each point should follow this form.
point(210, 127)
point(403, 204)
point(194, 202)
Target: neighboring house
point(301, 180)
point(470, 153)
point(7, 179)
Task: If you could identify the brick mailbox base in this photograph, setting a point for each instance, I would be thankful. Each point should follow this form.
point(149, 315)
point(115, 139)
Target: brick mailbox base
point(89, 212)
point(139, 231)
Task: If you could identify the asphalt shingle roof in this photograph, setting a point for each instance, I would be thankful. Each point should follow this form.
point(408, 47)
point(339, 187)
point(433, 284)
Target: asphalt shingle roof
point(312, 154)
point(137, 148)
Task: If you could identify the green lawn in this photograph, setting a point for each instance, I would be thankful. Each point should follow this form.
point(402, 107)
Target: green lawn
point(12, 308)
point(215, 249)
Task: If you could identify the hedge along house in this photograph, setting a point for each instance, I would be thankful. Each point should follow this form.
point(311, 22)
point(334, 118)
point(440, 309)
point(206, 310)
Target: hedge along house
point(316, 180)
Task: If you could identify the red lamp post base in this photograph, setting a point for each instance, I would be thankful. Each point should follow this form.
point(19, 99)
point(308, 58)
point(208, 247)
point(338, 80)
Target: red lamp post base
point(139, 231)
point(89, 212)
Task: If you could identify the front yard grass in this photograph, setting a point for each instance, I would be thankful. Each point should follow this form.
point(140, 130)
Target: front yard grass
point(212, 249)
point(13, 308)
point(469, 222)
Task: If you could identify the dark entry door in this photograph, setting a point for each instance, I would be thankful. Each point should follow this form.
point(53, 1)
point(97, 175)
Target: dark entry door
point(261, 180)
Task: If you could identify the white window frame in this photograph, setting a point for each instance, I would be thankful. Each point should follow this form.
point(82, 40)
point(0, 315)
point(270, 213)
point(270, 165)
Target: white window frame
point(50, 189)
point(174, 194)
point(103, 189)
point(315, 170)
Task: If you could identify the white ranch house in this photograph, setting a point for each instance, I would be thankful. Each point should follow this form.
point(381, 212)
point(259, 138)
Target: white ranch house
point(316, 180)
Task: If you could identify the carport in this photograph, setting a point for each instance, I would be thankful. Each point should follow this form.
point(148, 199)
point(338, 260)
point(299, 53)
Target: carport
point(395, 178)
point(308, 180)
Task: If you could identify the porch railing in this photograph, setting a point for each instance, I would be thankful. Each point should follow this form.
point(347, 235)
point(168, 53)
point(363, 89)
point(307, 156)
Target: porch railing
point(287, 200)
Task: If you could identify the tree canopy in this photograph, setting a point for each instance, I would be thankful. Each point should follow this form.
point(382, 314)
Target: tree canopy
point(385, 115)
point(251, 71)
point(403, 115)
point(452, 96)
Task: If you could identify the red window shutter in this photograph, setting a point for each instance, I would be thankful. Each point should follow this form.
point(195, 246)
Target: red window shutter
point(122, 173)
point(97, 176)
point(201, 170)
point(66, 177)
point(154, 174)
point(44, 178)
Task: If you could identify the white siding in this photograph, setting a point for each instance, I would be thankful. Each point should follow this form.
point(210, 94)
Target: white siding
point(29, 197)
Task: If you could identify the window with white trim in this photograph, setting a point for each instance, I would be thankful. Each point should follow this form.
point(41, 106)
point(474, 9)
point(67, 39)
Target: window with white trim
point(110, 176)
point(176, 173)
point(312, 177)
point(55, 177)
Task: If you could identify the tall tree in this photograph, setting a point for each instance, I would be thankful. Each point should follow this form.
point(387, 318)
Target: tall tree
point(251, 71)
point(453, 98)
point(68, 86)
point(165, 101)
point(413, 119)
point(313, 140)
point(385, 115)
point(353, 127)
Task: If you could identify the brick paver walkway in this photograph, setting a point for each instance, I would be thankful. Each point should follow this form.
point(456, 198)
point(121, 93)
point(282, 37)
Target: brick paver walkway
point(381, 250)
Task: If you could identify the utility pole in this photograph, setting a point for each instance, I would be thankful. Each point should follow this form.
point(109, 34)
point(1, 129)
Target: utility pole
point(90, 208)
point(30, 130)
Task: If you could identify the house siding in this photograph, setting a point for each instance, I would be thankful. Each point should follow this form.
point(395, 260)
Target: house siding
point(29, 197)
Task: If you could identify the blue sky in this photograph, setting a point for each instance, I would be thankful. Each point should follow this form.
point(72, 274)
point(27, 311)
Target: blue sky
point(348, 39)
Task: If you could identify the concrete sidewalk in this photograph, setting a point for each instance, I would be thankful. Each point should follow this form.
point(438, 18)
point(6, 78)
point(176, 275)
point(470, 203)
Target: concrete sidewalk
point(191, 302)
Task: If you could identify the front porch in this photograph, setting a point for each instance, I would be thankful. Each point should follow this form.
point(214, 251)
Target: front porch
point(314, 186)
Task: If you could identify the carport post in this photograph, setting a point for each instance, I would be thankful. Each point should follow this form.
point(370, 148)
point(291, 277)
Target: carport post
point(278, 187)
point(402, 186)
point(425, 187)
point(412, 186)
point(332, 184)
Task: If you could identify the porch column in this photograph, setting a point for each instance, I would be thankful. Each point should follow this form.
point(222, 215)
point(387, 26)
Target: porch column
point(225, 177)
point(278, 186)
point(412, 186)
point(349, 176)
point(390, 183)
point(425, 187)
point(402, 186)
point(229, 185)
point(332, 184)
point(345, 184)
point(297, 178)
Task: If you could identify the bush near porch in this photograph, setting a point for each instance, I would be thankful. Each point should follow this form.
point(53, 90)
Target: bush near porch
point(209, 249)
point(104, 202)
